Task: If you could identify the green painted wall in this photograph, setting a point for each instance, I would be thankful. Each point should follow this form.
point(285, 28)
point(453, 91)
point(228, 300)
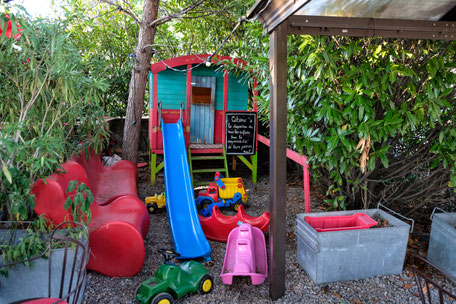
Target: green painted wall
point(172, 89)
point(238, 93)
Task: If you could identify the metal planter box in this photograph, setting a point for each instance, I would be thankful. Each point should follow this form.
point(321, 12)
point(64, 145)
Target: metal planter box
point(442, 242)
point(351, 254)
point(23, 282)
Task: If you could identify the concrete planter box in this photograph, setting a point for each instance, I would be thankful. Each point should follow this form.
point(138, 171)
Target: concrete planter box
point(351, 254)
point(23, 282)
point(442, 242)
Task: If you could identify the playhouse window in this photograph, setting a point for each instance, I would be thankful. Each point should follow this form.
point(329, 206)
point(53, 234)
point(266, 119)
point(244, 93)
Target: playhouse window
point(201, 95)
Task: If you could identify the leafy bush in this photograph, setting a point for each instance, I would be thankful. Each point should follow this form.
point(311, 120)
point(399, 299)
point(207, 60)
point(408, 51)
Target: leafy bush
point(376, 117)
point(49, 110)
point(106, 38)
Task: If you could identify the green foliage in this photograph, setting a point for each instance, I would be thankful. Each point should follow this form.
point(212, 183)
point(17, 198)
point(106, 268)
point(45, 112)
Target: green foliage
point(26, 247)
point(49, 111)
point(17, 193)
point(106, 38)
point(34, 243)
point(376, 117)
point(253, 46)
point(202, 30)
point(79, 202)
point(371, 112)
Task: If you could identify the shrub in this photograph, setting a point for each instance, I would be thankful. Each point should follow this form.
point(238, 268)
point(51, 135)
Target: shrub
point(49, 110)
point(376, 117)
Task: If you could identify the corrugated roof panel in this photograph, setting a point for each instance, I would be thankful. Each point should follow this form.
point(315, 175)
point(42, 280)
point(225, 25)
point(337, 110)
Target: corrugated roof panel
point(431, 10)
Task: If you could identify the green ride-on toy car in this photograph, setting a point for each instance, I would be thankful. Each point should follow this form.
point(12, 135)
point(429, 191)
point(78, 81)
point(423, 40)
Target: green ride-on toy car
point(171, 281)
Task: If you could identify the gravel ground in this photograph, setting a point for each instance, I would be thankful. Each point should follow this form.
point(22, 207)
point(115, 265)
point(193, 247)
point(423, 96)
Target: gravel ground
point(299, 287)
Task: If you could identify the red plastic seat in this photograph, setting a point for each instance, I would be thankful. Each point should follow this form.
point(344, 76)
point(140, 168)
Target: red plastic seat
point(109, 183)
point(218, 226)
point(117, 230)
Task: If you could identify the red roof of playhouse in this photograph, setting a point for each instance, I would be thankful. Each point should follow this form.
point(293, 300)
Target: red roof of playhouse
point(192, 59)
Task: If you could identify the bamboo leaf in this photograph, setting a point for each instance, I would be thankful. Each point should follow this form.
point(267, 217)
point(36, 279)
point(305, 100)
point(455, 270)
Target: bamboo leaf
point(6, 172)
point(67, 203)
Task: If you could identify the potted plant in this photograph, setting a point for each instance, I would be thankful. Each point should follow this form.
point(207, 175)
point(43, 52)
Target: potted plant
point(49, 111)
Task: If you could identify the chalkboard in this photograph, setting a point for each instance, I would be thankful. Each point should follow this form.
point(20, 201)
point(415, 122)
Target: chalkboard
point(241, 128)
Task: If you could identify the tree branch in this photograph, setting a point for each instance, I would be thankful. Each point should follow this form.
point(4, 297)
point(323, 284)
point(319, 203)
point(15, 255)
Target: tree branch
point(122, 9)
point(183, 12)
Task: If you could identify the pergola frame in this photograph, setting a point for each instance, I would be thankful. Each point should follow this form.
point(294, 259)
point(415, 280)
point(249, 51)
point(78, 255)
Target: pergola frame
point(279, 20)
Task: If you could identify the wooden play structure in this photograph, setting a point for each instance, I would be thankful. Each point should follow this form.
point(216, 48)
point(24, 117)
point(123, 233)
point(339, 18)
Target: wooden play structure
point(213, 106)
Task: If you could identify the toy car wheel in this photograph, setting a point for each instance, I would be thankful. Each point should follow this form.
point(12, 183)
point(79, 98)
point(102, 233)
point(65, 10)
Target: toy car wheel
point(162, 298)
point(168, 255)
point(152, 208)
point(236, 207)
point(206, 284)
point(205, 204)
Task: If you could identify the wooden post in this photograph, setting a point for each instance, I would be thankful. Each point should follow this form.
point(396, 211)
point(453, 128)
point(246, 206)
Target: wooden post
point(155, 122)
point(254, 159)
point(277, 169)
point(225, 104)
point(153, 168)
point(189, 104)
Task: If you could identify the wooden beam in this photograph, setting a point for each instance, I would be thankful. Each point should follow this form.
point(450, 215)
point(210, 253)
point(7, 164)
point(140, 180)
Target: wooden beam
point(277, 169)
point(371, 27)
point(271, 13)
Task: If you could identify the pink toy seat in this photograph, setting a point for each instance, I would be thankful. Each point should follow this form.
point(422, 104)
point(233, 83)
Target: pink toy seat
point(245, 255)
point(108, 183)
point(116, 230)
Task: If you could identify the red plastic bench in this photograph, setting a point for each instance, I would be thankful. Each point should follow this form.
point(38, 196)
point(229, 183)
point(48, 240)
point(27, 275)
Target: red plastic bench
point(117, 230)
point(108, 183)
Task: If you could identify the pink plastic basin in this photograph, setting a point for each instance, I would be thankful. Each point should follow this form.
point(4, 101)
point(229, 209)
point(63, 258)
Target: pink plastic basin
point(342, 222)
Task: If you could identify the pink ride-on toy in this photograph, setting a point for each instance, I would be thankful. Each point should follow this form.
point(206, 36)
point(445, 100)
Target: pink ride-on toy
point(245, 255)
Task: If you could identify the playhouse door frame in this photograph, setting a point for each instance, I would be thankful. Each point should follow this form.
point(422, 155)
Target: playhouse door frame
point(202, 117)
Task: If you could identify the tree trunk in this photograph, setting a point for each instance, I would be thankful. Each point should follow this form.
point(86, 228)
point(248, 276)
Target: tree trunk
point(138, 81)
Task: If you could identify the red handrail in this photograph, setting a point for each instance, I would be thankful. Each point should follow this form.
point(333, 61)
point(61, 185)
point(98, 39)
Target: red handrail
point(302, 160)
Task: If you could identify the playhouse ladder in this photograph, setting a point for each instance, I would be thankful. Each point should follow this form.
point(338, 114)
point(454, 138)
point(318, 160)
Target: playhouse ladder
point(199, 157)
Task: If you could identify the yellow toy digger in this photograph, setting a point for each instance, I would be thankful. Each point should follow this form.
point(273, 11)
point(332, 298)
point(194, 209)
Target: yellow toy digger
point(153, 203)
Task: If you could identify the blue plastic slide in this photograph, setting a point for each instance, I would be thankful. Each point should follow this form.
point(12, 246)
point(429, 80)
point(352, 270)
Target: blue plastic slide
point(188, 236)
